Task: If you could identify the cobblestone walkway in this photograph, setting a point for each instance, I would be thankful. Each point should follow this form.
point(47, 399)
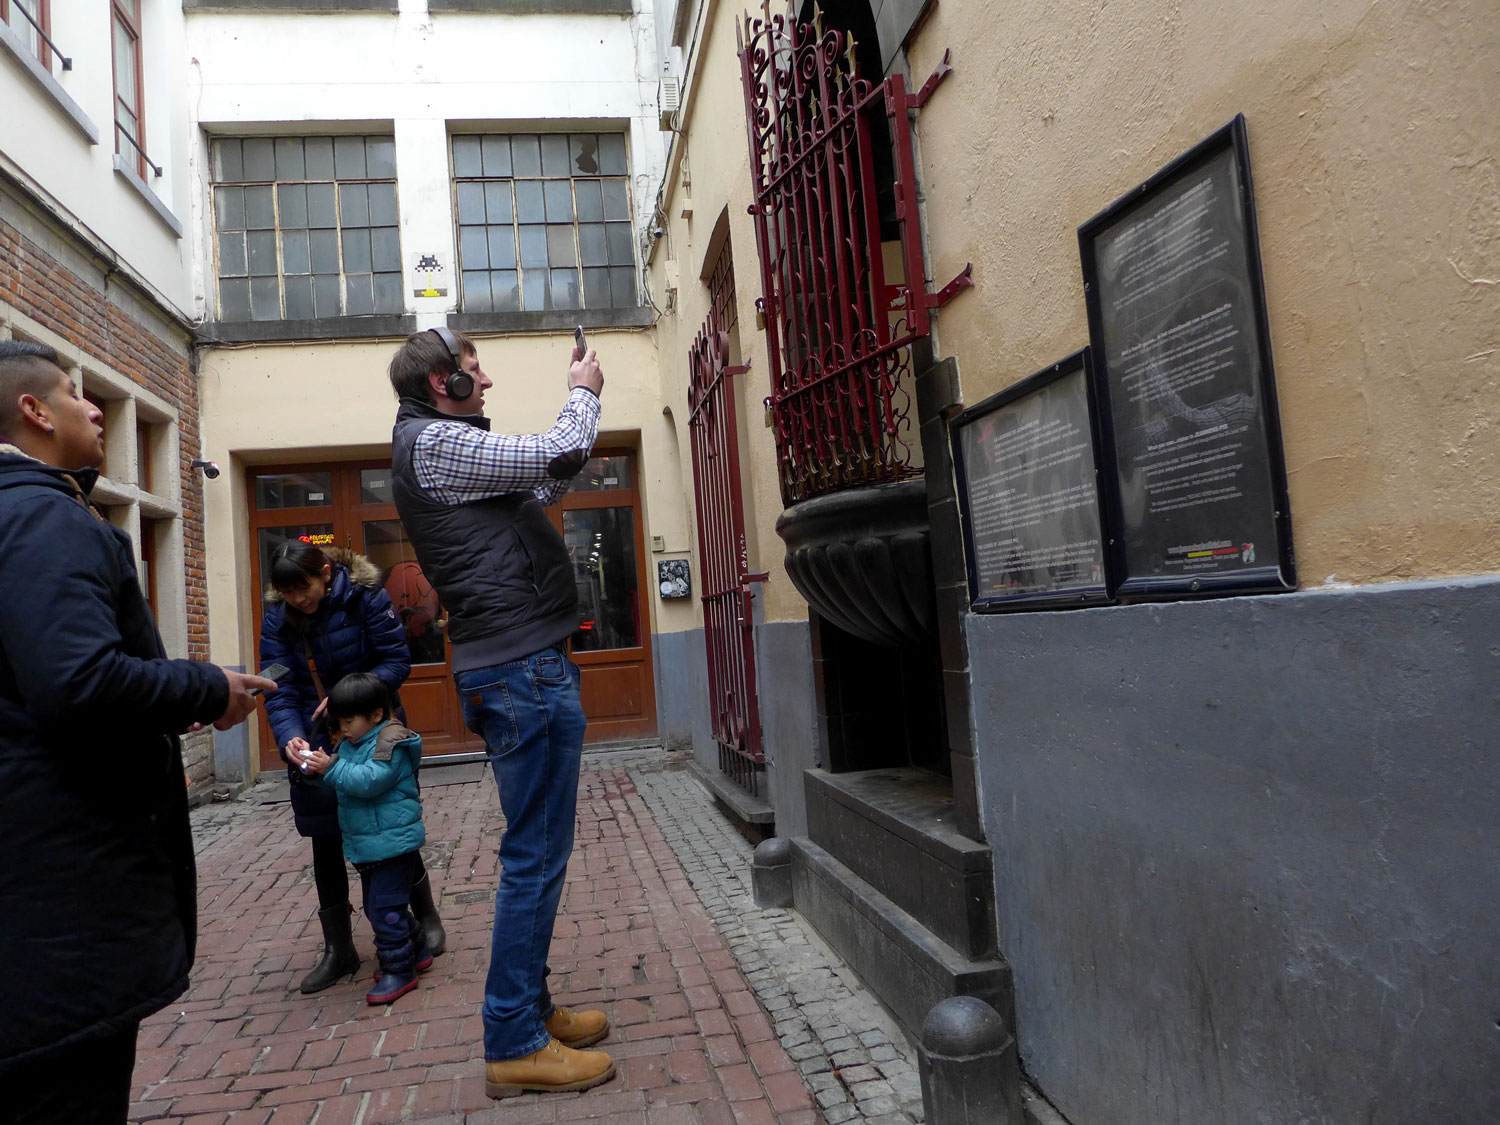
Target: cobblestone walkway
point(656, 926)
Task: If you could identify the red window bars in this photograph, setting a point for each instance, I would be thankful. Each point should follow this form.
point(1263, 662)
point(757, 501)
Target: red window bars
point(722, 556)
point(839, 327)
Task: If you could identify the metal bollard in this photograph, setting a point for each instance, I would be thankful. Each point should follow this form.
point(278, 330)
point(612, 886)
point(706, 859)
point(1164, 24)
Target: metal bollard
point(771, 872)
point(969, 1065)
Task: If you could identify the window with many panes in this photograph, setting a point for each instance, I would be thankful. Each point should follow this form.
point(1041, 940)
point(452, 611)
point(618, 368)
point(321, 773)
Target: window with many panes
point(306, 227)
point(30, 20)
point(544, 221)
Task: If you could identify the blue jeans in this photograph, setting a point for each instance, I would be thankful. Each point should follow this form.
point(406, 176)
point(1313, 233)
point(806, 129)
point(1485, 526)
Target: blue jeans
point(387, 887)
point(531, 720)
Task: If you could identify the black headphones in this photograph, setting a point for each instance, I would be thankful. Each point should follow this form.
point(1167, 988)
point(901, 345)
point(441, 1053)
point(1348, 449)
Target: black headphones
point(459, 384)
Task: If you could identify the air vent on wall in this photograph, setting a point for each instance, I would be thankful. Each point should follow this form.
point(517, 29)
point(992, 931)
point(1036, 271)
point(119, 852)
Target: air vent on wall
point(669, 100)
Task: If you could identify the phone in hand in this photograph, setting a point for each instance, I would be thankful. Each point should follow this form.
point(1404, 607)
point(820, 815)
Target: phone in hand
point(271, 672)
point(580, 342)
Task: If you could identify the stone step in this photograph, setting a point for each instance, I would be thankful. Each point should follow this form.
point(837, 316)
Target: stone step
point(754, 814)
point(899, 959)
point(895, 829)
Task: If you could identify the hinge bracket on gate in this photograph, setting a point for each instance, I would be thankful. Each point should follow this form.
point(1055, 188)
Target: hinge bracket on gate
point(746, 579)
point(964, 280)
point(934, 80)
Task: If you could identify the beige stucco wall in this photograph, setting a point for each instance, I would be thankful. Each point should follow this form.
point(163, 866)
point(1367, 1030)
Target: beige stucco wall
point(267, 404)
point(1373, 148)
point(713, 152)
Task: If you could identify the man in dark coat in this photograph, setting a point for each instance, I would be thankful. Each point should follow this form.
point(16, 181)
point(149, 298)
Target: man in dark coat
point(97, 884)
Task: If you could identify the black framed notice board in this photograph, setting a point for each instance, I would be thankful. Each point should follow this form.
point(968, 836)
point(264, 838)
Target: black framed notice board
point(1026, 462)
point(1192, 473)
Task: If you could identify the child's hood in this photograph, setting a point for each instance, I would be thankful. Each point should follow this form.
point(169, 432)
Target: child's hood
point(391, 736)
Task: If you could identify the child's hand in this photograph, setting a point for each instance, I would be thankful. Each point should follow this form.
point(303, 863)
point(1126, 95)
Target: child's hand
point(317, 762)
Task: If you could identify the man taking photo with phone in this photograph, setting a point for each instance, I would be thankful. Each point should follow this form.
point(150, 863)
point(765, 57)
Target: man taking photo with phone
point(473, 504)
point(97, 882)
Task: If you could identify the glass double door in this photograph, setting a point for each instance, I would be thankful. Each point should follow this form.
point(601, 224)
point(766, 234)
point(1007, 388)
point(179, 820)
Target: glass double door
point(349, 506)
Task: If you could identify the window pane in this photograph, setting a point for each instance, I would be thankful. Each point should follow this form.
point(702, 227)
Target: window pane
point(356, 251)
point(476, 291)
point(260, 158)
point(560, 249)
point(375, 488)
point(234, 300)
point(383, 205)
point(496, 156)
point(326, 294)
point(380, 158)
point(473, 248)
point(506, 285)
point(291, 202)
point(622, 287)
point(296, 254)
point(388, 293)
point(229, 208)
point(529, 206)
point(124, 65)
point(534, 290)
point(466, 158)
point(612, 154)
point(319, 157)
point(359, 297)
point(354, 205)
point(502, 247)
point(621, 252)
point(471, 203)
point(299, 298)
point(591, 244)
point(228, 165)
point(325, 251)
point(293, 490)
point(265, 298)
point(590, 201)
point(289, 163)
point(385, 250)
point(604, 474)
point(554, 155)
point(260, 210)
point(321, 211)
point(497, 203)
point(349, 158)
point(616, 200)
point(564, 289)
point(596, 289)
point(601, 542)
point(533, 246)
point(412, 596)
point(585, 154)
point(232, 262)
point(262, 247)
point(559, 198)
point(525, 156)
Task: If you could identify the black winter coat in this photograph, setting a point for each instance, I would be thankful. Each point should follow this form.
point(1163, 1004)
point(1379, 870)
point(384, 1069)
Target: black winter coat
point(354, 629)
point(97, 884)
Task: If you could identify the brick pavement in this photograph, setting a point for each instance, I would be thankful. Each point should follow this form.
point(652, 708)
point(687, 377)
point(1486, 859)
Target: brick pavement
point(692, 1043)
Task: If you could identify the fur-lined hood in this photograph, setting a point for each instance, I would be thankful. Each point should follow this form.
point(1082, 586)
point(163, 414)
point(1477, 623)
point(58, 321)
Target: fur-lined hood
point(362, 572)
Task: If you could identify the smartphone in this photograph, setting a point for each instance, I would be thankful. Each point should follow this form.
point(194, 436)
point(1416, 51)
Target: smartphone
point(272, 672)
point(579, 342)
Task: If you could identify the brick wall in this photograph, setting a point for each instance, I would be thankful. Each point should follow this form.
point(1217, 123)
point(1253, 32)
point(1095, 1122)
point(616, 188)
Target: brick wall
point(152, 355)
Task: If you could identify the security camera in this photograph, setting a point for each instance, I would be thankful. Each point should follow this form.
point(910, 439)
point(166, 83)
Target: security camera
point(210, 470)
point(658, 232)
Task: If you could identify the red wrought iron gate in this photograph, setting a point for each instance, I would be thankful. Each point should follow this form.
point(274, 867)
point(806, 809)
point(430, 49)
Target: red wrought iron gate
point(723, 555)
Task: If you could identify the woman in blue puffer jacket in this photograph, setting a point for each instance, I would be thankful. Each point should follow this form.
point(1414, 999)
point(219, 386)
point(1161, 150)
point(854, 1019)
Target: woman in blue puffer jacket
point(328, 615)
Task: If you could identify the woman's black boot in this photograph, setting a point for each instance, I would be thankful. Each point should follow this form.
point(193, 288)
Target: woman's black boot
point(425, 912)
point(339, 958)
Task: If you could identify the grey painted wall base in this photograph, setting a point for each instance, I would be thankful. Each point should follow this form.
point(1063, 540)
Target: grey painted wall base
point(784, 672)
point(1246, 853)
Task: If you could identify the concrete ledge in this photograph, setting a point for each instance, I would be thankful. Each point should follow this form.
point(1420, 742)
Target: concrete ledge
point(748, 807)
point(899, 960)
point(304, 6)
point(551, 320)
point(13, 45)
point(328, 328)
point(126, 172)
point(535, 7)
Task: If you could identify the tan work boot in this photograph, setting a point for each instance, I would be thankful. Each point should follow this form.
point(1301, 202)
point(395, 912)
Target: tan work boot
point(578, 1029)
point(554, 1067)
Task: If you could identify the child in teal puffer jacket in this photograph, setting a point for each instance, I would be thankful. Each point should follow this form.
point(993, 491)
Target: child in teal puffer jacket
point(374, 773)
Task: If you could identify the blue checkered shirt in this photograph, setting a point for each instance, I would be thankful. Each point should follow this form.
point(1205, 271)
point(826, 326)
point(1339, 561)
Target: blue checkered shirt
point(458, 462)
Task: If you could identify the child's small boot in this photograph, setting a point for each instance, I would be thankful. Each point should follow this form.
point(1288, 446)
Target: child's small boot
point(339, 956)
point(398, 957)
point(392, 984)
